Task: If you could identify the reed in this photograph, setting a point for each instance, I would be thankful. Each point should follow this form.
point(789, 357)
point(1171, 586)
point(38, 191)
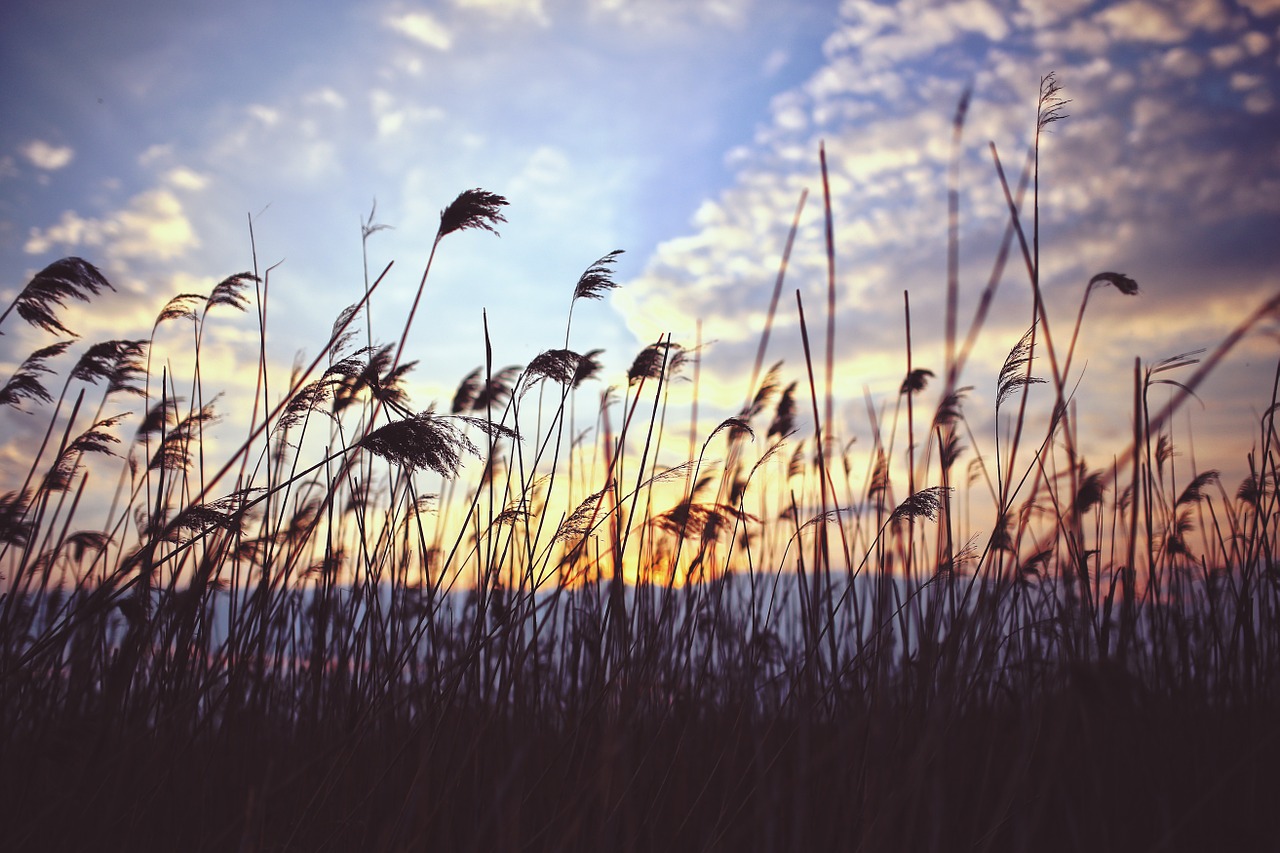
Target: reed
point(371, 625)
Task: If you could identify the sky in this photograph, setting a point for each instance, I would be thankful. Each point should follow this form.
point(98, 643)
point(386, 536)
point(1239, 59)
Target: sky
point(167, 142)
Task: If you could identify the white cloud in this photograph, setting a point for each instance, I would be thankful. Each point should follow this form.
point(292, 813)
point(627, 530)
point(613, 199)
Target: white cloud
point(155, 154)
point(326, 97)
point(45, 156)
point(509, 10)
point(883, 35)
point(422, 28)
point(392, 116)
point(267, 115)
point(152, 225)
point(1081, 34)
point(186, 179)
point(1137, 20)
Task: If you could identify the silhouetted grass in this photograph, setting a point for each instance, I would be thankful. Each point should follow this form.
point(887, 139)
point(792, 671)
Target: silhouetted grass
point(340, 637)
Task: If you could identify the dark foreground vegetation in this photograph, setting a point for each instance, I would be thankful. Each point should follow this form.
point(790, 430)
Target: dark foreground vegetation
point(623, 635)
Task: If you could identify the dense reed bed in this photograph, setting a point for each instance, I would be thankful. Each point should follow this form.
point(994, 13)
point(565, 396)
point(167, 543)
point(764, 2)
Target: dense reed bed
point(518, 626)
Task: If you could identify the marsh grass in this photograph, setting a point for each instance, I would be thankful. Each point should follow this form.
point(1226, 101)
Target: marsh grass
point(343, 636)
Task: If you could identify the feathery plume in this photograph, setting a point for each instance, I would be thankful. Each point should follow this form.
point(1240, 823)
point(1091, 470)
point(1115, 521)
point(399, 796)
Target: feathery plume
point(472, 209)
point(1049, 109)
point(68, 278)
point(598, 279)
point(467, 391)
point(13, 508)
point(588, 366)
point(558, 365)
point(1194, 492)
point(25, 382)
point(182, 305)
point(784, 416)
point(925, 503)
point(1090, 492)
point(1013, 374)
point(422, 441)
point(230, 292)
point(119, 362)
point(916, 381)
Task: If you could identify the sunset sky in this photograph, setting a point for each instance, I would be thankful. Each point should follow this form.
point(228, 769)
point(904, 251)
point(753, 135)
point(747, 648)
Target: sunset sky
point(145, 136)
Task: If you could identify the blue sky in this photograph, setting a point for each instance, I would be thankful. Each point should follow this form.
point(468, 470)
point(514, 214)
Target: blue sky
point(144, 136)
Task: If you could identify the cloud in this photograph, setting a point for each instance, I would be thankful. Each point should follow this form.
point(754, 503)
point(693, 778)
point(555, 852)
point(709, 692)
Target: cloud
point(1155, 173)
point(422, 28)
point(1137, 20)
point(509, 10)
point(1262, 8)
point(1045, 13)
point(326, 96)
point(1183, 62)
point(672, 15)
point(392, 114)
point(152, 225)
point(264, 114)
point(45, 156)
point(183, 178)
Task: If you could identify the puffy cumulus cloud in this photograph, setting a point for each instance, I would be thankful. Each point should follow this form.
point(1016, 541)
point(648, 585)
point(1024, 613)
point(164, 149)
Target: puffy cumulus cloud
point(1250, 44)
point(152, 225)
point(1255, 43)
point(422, 28)
point(1209, 15)
point(1138, 20)
point(884, 35)
point(46, 156)
point(511, 10)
